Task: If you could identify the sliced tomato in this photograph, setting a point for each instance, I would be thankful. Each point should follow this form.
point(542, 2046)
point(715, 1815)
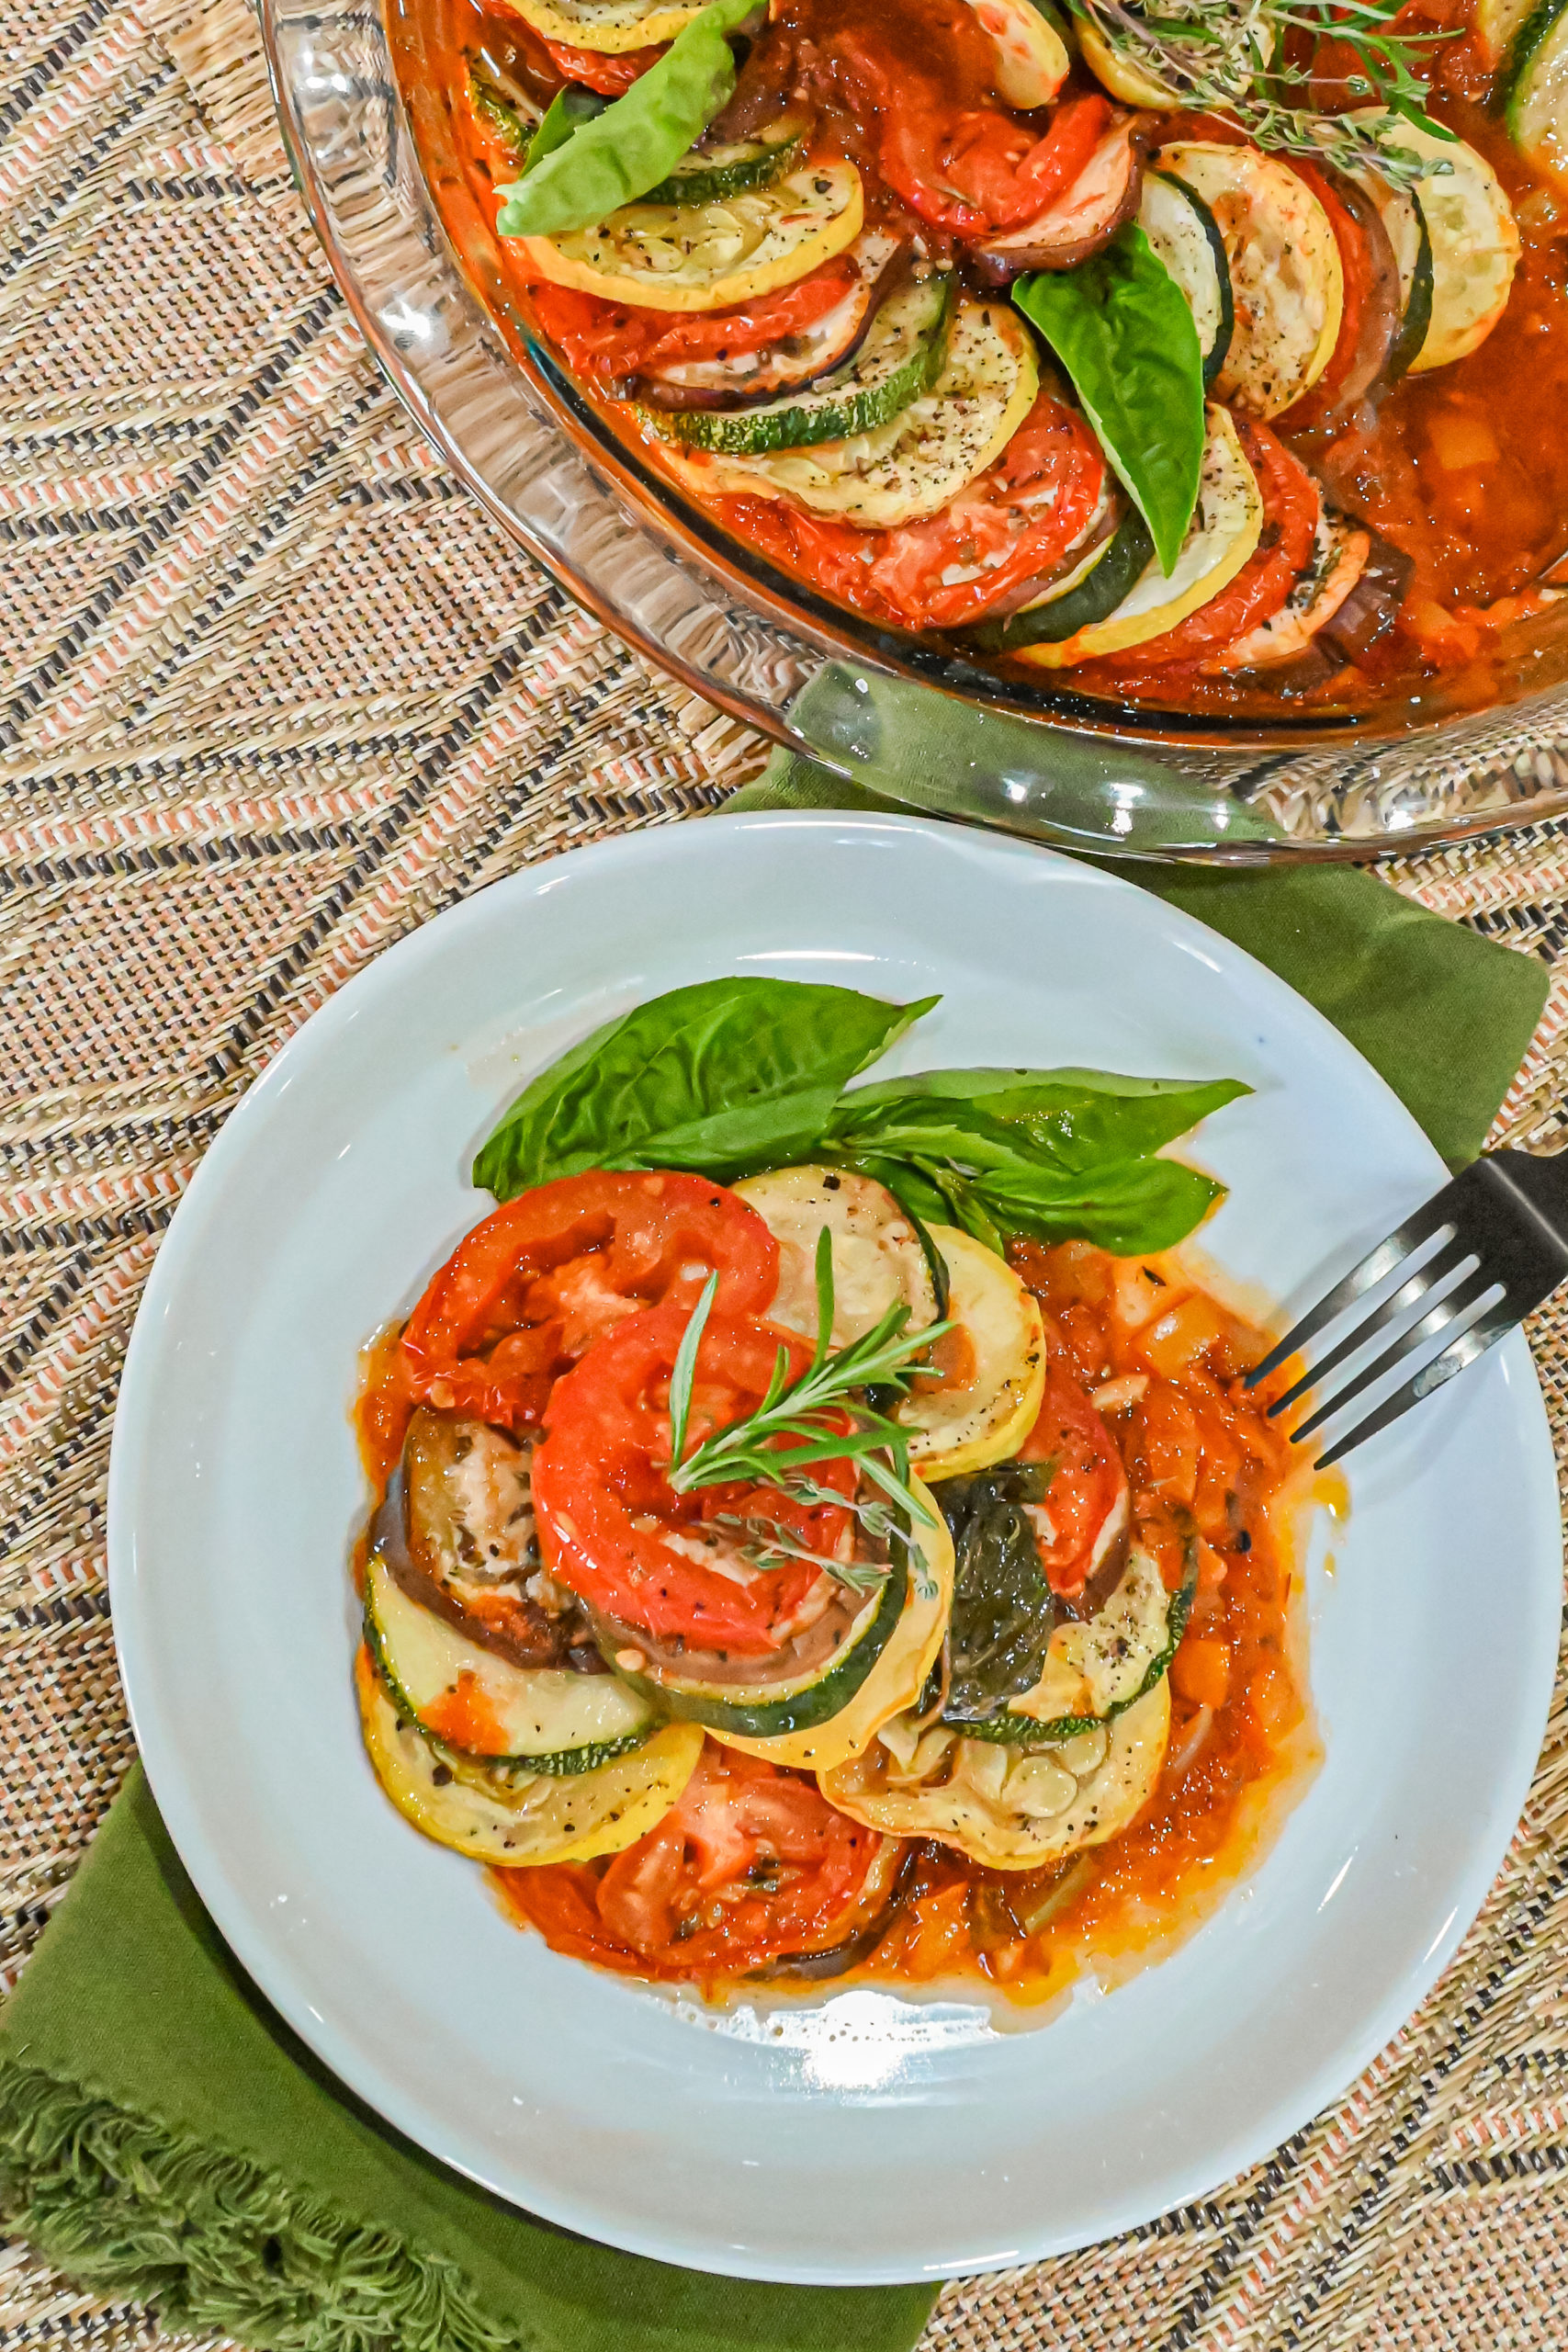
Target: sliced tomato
point(751, 1863)
point(597, 69)
point(531, 1289)
point(1291, 506)
point(1007, 530)
point(612, 1527)
point(1087, 1504)
point(612, 340)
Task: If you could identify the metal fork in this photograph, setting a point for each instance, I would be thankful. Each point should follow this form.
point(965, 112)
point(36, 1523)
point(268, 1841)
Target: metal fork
point(1497, 1235)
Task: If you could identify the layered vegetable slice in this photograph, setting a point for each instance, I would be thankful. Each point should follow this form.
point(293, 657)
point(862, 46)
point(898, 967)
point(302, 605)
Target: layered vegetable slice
point(913, 466)
point(734, 166)
point(543, 1719)
point(708, 256)
point(495, 1815)
point(611, 25)
point(1006, 1807)
point(1538, 89)
point(1081, 220)
point(903, 352)
point(880, 1257)
point(1341, 551)
point(1186, 237)
point(1223, 533)
point(742, 367)
point(988, 1401)
point(1032, 57)
point(1474, 245)
point(1287, 279)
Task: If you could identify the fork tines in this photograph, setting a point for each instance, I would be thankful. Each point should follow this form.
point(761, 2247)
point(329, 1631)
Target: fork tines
point(1493, 1243)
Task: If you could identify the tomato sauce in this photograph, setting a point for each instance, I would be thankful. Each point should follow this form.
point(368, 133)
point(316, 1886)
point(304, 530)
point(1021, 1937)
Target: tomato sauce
point(1242, 1746)
point(1465, 469)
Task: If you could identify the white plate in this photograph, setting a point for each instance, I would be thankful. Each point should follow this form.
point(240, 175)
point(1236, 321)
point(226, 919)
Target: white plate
point(873, 2138)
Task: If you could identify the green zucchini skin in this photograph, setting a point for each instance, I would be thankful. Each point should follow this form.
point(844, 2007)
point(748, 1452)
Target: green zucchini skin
point(1215, 358)
point(1417, 318)
point(803, 1710)
point(1528, 62)
point(1094, 599)
point(751, 164)
point(901, 357)
point(1021, 1730)
point(499, 116)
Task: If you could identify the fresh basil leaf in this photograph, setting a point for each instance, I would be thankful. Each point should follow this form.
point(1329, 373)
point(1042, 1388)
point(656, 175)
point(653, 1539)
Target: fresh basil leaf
point(1130, 1207)
point(724, 1078)
point(564, 117)
point(636, 141)
point(1003, 1608)
point(1068, 1117)
point(1121, 327)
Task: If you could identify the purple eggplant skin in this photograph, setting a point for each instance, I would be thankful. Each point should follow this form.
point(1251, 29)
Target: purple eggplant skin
point(656, 393)
point(1372, 606)
point(815, 1967)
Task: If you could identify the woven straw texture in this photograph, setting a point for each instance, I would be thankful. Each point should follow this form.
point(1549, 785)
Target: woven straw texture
point(274, 692)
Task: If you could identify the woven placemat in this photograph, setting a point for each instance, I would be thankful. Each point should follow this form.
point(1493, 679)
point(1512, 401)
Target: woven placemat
point(274, 692)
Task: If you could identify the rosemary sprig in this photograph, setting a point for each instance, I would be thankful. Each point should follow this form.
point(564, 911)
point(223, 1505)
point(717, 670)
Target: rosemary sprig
point(811, 1409)
point(1231, 58)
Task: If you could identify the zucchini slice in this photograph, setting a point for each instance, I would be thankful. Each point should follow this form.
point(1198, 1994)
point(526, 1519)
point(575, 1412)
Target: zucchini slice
point(1032, 57)
point(494, 1819)
point(714, 176)
point(1537, 106)
point(1089, 591)
point(543, 1719)
point(1341, 553)
point(915, 465)
point(503, 107)
point(1474, 245)
point(878, 1258)
point(902, 355)
point(1011, 1810)
point(897, 1677)
point(795, 361)
point(1186, 236)
point(1097, 1666)
point(709, 256)
point(958, 1431)
point(707, 1688)
point(1226, 529)
point(1287, 280)
point(1496, 24)
point(610, 27)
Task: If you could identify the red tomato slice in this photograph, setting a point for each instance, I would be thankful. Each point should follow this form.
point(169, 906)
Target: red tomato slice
point(1356, 274)
point(1088, 1500)
point(1259, 588)
point(611, 340)
point(753, 1862)
point(1006, 530)
point(535, 1284)
point(613, 1527)
point(611, 74)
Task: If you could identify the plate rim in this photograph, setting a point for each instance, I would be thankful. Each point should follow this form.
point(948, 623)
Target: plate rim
point(277, 1976)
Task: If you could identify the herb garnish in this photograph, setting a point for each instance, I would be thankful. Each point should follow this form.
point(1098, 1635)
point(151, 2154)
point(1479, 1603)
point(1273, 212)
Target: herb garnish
point(812, 1409)
point(1235, 58)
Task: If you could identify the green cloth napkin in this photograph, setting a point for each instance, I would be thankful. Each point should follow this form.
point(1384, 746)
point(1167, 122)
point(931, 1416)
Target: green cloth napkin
point(164, 2137)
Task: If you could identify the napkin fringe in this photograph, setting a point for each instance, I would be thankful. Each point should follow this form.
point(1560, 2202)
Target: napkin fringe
point(118, 2201)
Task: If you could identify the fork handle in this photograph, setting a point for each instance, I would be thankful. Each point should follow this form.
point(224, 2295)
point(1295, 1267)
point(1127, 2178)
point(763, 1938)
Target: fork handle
point(1539, 1184)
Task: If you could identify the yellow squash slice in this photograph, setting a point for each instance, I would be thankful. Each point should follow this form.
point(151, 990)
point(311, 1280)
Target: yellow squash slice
point(609, 25)
point(1128, 82)
point(895, 1681)
point(1287, 279)
point(709, 256)
point(916, 463)
point(1224, 531)
point(960, 1430)
point(1476, 246)
point(1009, 1808)
point(506, 1819)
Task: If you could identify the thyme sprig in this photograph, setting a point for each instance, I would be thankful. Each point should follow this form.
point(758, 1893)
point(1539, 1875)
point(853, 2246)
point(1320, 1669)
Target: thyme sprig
point(819, 1415)
point(1232, 58)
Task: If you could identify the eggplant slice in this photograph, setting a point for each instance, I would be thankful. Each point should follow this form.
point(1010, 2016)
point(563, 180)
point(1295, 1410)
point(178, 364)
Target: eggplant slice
point(1084, 218)
point(457, 1531)
point(737, 379)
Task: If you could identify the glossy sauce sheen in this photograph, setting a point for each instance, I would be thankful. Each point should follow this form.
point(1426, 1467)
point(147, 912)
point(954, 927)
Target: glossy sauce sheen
point(1194, 1443)
point(1465, 469)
